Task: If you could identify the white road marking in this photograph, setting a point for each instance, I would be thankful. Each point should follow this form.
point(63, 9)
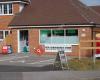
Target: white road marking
point(41, 61)
point(11, 58)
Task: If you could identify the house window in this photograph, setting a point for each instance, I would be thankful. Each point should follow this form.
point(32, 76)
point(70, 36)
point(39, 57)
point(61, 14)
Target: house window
point(6, 33)
point(3, 34)
point(5, 8)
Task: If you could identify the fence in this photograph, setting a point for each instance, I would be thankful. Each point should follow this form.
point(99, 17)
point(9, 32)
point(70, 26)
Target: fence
point(92, 47)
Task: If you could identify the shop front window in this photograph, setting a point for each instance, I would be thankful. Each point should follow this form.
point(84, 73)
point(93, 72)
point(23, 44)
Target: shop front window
point(72, 32)
point(45, 36)
point(69, 36)
point(58, 37)
point(55, 40)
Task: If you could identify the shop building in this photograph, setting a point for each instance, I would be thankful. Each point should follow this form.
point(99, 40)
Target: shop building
point(56, 25)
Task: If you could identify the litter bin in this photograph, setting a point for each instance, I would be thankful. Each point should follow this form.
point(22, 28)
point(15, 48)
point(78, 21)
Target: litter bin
point(4, 50)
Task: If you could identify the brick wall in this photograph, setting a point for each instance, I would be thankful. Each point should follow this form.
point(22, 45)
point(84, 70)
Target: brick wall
point(88, 36)
point(6, 19)
point(33, 39)
point(14, 41)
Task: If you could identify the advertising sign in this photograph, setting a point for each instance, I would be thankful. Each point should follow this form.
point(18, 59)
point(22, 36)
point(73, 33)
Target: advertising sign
point(62, 57)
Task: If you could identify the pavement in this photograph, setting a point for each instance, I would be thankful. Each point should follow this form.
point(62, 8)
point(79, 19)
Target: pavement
point(25, 59)
point(51, 75)
point(25, 62)
point(62, 75)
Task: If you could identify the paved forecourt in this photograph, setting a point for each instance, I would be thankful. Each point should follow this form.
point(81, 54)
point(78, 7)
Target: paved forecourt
point(26, 60)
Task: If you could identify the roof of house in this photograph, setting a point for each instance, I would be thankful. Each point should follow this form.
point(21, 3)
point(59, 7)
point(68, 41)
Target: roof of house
point(47, 12)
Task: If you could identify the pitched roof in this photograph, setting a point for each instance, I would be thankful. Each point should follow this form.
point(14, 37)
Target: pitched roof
point(96, 8)
point(89, 13)
point(45, 12)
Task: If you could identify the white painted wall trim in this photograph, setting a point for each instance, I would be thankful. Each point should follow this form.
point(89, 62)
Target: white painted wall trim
point(18, 40)
point(21, 7)
point(15, 2)
point(60, 26)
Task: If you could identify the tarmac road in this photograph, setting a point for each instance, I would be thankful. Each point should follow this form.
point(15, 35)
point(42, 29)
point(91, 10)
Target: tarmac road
point(51, 75)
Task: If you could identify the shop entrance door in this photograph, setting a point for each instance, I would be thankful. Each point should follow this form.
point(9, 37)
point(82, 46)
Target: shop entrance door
point(24, 44)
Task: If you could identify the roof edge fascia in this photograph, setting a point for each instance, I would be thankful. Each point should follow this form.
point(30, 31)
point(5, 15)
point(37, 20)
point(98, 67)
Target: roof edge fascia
point(52, 26)
point(15, 2)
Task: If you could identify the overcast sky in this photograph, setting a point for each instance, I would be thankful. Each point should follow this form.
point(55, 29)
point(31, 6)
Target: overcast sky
point(91, 2)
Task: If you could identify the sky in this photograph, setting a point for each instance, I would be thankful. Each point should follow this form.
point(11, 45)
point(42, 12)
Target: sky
point(91, 2)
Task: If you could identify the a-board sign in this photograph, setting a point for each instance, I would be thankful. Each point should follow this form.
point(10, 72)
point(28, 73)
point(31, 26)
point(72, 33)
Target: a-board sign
point(62, 57)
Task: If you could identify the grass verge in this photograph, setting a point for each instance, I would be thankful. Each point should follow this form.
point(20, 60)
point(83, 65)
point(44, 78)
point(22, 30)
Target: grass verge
point(85, 64)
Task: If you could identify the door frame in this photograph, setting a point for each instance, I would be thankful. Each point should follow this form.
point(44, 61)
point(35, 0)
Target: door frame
point(18, 39)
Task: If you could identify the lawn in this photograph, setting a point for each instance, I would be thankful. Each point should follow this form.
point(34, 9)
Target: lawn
point(84, 64)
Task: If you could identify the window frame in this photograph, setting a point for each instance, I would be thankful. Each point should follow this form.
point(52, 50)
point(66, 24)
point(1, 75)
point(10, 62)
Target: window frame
point(8, 9)
point(4, 35)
